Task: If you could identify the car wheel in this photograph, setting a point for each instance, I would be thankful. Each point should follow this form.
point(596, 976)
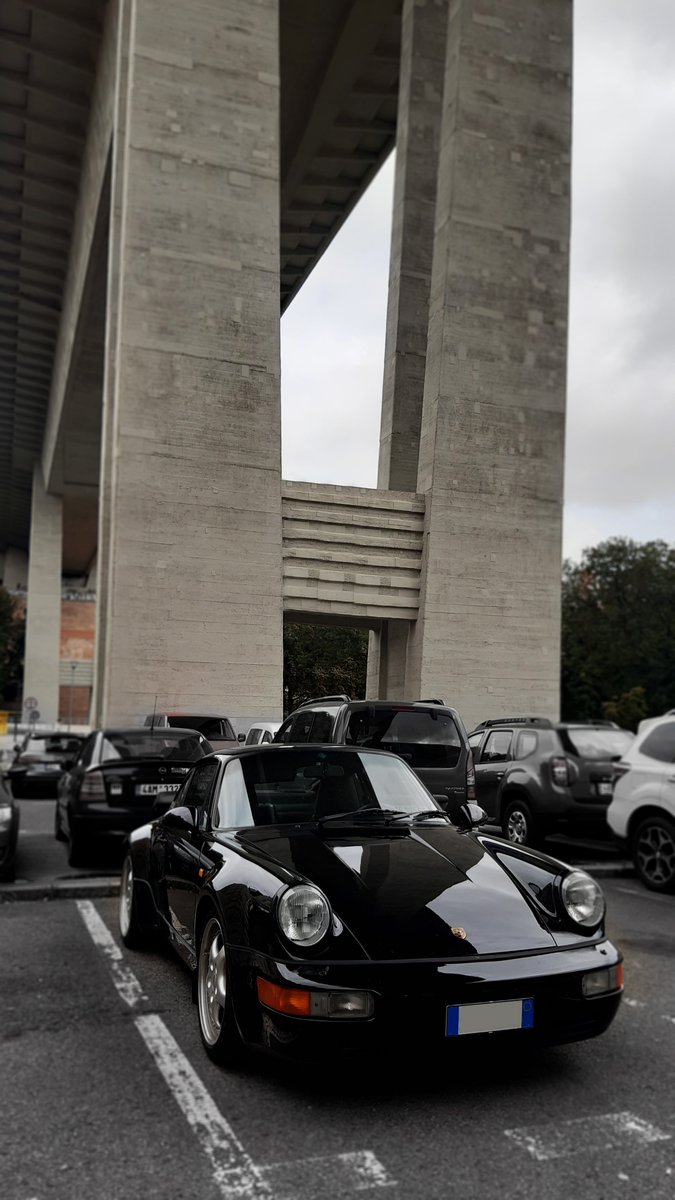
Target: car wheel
point(217, 1024)
point(58, 827)
point(78, 850)
point(654, 853)
point(518, 825)
point(132, 931)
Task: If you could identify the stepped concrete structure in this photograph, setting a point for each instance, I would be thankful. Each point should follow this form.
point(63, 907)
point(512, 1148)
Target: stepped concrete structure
point(170, 174)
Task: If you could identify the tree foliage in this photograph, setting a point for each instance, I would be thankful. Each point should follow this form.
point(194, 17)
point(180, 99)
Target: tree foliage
point(618, 632)
point(12, 632)
point(322, 660)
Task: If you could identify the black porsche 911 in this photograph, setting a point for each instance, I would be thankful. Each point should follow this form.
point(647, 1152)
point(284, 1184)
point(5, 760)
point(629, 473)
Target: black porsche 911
point(324, 900)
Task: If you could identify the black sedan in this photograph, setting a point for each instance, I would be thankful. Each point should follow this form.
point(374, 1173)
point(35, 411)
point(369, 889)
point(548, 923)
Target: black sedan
point(113, 783)
point(38, 764)
point(9, 833)
point(324, 900)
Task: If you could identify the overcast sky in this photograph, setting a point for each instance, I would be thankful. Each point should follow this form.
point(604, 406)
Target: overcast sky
point(620, 475)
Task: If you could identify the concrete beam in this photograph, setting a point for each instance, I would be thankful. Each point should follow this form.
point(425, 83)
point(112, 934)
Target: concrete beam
point(43, 610)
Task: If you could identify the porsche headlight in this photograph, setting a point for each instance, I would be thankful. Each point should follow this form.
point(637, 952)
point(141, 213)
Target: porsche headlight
point(583, 899)
point(304, 915)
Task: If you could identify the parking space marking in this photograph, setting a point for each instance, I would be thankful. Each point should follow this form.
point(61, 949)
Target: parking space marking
point(234, 1171)
point(583, 1135)
point(235, 1174)
point(645, 895)
point(125, 981)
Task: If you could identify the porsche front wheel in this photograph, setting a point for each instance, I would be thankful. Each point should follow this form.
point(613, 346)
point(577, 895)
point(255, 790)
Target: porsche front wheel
point(217, 1024)
point(132, 931)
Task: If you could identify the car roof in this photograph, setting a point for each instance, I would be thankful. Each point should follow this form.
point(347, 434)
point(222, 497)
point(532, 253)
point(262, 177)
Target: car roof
point(282, 747)
point(159, 731)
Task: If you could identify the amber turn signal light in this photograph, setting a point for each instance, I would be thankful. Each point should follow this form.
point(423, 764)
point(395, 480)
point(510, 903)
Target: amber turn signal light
point(295, 1002)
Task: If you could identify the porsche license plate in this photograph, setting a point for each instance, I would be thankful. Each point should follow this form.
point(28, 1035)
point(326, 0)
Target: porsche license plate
point(493, 1017)
point(151, 789)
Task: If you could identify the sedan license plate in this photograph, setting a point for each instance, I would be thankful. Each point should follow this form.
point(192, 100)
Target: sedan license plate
point(493, 1017)
point(151, 789)
point(604, 788)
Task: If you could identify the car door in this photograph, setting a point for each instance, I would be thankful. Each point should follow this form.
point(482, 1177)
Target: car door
point(491, 768)
point(183, 845)
point(69, 784)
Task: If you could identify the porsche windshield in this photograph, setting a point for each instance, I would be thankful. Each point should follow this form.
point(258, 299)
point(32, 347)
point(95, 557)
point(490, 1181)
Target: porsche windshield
point(289, 786)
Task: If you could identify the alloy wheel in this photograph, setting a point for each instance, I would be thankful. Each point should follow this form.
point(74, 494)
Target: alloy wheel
point(655, 854)
point(211, 981)
point(126, 896)
point(516, 827)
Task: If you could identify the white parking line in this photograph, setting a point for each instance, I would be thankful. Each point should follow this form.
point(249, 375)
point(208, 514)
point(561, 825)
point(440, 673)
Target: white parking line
point(125, 981)
point(235, 1174)
point(645, 895)
point(585, 1134)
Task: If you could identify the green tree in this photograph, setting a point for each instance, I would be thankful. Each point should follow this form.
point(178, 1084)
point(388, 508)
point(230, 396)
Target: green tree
point(618, 631)
point(12, 632)
point(322, 660)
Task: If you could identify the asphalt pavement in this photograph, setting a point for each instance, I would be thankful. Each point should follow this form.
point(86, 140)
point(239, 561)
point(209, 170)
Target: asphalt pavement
point(105, 1089)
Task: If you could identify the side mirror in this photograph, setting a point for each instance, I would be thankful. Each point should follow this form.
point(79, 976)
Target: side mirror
point(241, 737)
point(471, 816)
point(442, 800)
point(180, 819)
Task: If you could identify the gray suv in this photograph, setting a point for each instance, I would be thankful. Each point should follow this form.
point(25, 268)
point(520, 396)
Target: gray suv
point(427, 734)
point(535, 776)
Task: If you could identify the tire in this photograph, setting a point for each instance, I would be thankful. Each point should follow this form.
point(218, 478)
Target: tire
point(653, 849)
point(217, 1024)
point(58, 827)
point(132, 930)
point(78, 850)
point(518, 825)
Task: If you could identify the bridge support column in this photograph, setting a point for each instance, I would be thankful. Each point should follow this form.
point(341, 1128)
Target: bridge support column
point(491, 449)
point(43, 612)
point(193, 606)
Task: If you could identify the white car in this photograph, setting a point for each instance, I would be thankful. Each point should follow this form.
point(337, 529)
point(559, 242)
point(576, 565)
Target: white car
point(262, 733)
point(642, 812)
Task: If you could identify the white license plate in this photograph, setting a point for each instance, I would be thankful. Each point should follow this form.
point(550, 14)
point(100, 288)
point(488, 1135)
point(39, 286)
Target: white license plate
point(151, 789)
point(605, 788)
point(489, 1018)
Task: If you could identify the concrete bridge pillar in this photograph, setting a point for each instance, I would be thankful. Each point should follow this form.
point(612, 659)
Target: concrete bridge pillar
point(492, 433)
point(43, 610)
point(191, 487)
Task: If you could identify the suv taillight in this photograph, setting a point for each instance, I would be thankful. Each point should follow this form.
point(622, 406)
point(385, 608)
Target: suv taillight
point(93, 787)
point(470, 777)
point(619, 769)
point(560, 772)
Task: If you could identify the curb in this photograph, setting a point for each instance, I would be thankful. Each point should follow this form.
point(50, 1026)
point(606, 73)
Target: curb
point(70, 890)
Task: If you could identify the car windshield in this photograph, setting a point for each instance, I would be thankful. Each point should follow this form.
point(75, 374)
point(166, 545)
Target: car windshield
point(599, 743)
point(295, 785)
point(162, 743)
point(209, 727)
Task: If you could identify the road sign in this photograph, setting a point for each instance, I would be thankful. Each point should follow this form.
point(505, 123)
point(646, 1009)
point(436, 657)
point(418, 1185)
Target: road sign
point(30, 702)
point(34, 714)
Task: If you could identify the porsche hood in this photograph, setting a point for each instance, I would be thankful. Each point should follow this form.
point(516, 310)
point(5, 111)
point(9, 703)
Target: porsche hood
point(416, 893)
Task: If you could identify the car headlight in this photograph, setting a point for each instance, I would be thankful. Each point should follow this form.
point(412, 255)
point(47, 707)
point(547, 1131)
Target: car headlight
point(583, 899)
point(304, 914)
point(5, 816)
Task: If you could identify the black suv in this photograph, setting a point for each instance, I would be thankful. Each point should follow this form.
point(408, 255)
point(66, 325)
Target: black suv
point(535, 776)
point(428, 734)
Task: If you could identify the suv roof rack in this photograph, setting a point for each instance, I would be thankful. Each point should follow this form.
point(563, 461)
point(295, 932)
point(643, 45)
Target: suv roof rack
point(341, 699)
point(434, 700)
point(540, 722)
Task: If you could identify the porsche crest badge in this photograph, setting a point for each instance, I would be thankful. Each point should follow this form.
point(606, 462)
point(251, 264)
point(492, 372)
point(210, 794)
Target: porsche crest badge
point(459, 932)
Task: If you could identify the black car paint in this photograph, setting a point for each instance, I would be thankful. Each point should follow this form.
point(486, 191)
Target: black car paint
point(9, 835)
point(393, 921)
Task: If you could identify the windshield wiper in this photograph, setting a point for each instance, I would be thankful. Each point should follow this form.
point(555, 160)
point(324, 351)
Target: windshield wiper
point(423, 814)
point(365, 811)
